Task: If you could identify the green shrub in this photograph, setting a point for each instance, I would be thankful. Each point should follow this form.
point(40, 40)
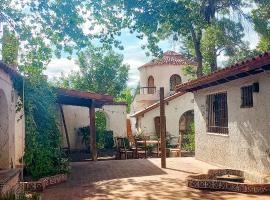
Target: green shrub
point(104, 138)
point(43, 155)
point(189, 138)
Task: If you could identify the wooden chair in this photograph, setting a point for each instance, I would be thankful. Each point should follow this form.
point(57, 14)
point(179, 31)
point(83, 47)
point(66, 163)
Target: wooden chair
point(141, 149)
point(156, 151)
point(176, 149)
point(123, 148)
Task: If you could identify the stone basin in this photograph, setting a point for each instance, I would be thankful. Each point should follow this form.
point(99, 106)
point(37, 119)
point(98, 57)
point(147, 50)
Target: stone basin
point(231, 178)
point(225, 180)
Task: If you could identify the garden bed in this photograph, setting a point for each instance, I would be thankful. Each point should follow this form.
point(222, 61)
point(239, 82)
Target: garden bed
point(210, 181)
point(43, 183)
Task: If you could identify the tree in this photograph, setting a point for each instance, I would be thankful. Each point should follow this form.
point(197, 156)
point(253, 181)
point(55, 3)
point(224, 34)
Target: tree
point(157, 20)
point(10, 47)
point(101, 71)
point(261, 19)
point(126, 96)
point(222, 37)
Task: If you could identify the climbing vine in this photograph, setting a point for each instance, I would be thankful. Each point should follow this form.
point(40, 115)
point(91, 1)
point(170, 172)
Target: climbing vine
point(43, 154)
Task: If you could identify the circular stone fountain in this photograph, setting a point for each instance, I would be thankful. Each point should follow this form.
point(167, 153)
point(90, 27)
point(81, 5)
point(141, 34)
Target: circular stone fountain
point(225, 180)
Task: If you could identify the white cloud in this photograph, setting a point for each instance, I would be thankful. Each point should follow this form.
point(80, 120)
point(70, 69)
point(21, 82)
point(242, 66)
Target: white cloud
point(133, 77)
point(61, 66)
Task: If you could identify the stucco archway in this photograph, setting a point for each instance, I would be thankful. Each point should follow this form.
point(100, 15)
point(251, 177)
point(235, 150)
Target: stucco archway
point(106, 116)
point(4, 131)
point(186, 123)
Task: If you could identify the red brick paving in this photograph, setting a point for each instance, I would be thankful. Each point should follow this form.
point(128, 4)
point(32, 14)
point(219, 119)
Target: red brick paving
point(141, 179)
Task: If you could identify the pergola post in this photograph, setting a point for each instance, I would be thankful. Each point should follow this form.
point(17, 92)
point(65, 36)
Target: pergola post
point(162, 129)
point(65, 127)
point(93, 132)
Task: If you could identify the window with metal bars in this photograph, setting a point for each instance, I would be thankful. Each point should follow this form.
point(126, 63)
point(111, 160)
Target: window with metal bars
point(217, 121)
point(247, 96)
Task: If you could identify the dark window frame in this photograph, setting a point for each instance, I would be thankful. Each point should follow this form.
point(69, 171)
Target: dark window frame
point(175, 79)
point(247, 96)
point(217, 113)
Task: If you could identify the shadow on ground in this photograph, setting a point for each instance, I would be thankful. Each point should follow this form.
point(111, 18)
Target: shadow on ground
point(134, 180)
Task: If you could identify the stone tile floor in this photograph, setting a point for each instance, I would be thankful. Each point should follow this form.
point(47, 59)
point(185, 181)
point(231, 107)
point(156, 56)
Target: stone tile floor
point(141, 179)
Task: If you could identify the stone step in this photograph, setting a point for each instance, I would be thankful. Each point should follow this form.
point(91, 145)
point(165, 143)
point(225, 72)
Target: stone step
point(9, 180)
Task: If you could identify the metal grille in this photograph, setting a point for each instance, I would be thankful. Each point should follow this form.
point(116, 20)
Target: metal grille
point(247, 96)
point(217, 113)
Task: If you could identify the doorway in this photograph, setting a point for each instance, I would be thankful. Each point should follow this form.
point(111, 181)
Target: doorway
point(187, 133)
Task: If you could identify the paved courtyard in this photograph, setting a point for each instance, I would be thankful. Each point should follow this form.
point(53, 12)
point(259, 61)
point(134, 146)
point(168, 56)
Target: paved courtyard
point(137, 180)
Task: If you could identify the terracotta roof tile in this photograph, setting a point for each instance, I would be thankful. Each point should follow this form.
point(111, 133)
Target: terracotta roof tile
point(170, 58)
point(155, 105)
point(83, 94)
point(249, 65)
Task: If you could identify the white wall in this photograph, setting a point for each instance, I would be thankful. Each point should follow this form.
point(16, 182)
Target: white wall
point(173, 111)
point(14, 127)
point(116, 119)
point(77, 117)
point(247, 145)
point(161, 74)
point(19, 135)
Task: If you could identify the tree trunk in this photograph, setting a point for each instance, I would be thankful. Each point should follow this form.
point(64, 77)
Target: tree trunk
point(197, 46)
point(213, 64)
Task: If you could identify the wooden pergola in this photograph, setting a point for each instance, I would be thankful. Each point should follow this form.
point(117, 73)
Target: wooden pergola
point(83, 99)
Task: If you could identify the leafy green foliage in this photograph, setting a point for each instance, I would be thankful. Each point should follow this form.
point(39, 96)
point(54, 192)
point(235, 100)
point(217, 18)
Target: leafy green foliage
point(10, 47)
point(189, 138)
point(223, 36)
point(43, 155)
point(182, 20)
point(261, 20)
point(125, 96)
point(101, 71)
point(104, 138)
point(22, 196)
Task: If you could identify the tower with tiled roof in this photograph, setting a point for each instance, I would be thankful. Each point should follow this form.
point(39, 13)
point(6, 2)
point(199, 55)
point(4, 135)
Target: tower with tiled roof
point(165, 72)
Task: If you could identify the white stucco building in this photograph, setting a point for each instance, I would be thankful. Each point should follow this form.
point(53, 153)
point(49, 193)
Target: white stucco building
point(166, 72)
point(232, 117)
point(11, 123)
point(77, 117)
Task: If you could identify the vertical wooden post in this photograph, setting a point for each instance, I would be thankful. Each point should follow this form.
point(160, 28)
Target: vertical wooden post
point(65, 127)
point(93, 132)
point(162, 129)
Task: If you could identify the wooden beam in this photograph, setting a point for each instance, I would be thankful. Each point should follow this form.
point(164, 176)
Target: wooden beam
point(93, 132)
point(162, 129)
point(65, 127)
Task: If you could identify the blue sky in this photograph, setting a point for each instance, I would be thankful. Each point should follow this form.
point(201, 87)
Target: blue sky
point(134, 55)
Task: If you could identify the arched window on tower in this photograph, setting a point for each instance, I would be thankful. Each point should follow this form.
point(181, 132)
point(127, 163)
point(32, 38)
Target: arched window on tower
point(175, 80)
point(151, 85)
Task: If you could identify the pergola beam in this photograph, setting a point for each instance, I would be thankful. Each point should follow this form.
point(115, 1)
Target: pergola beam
point(84, 99)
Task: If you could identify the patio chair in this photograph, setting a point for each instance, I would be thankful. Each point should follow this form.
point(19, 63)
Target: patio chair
point(141, 149)
point(156, 151)
point(123, 148)
point(176, 148)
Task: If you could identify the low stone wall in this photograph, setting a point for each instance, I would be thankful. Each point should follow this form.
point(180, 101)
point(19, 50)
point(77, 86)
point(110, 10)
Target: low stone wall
point(43, 183)
point(208, 181)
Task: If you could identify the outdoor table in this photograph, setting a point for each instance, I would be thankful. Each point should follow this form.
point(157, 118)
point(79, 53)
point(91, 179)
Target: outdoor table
point(147, 142)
